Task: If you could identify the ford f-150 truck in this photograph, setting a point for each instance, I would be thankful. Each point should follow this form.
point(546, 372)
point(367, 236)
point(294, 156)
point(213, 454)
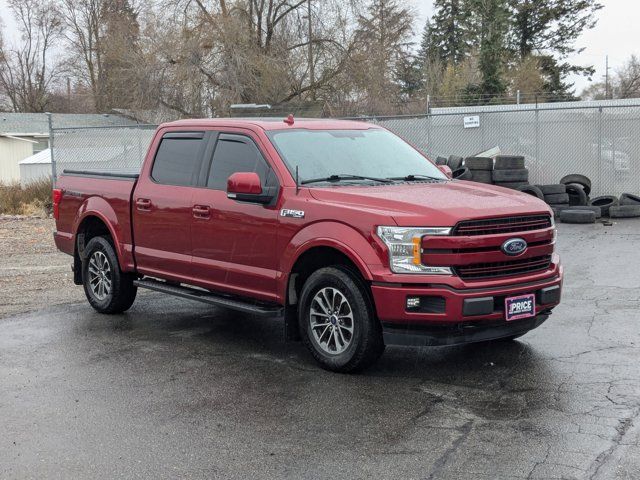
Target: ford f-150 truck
point(348, 232)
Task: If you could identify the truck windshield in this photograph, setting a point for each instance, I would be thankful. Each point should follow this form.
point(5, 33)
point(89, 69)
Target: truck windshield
point(346, 154)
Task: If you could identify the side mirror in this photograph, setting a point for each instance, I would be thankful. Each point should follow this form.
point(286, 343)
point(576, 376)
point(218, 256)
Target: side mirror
point(246, 187)
point(446, 169)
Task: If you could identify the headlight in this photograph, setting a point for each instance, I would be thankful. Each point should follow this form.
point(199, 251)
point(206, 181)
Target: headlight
point(405, 249)
point(555, 233)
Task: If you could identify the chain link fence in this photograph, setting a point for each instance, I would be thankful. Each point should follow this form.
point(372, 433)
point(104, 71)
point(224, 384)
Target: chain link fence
point(598, 139)
point(117, 148)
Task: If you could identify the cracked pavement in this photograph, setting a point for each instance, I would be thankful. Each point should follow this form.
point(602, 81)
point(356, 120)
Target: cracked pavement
point(177, 389)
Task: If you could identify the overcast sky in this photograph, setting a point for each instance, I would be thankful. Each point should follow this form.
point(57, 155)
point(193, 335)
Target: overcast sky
point(614, 35)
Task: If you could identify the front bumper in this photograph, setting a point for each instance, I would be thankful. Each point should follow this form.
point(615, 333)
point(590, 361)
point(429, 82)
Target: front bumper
point(449, 315)
point(457, 334)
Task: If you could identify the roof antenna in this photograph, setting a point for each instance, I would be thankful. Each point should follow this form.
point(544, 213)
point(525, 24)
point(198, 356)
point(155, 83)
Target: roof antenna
point(297, 182)
point(289, 120)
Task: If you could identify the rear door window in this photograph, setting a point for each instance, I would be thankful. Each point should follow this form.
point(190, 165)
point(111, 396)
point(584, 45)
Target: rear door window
point(178, 158)
point(237, 153)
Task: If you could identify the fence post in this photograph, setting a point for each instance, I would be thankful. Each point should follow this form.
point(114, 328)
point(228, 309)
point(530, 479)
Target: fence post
point(600, 149)
point(538, 161)
point(518, 97)
point(54, 173)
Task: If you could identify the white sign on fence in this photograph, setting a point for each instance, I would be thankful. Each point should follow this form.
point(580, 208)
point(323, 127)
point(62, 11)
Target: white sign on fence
point(472, 122)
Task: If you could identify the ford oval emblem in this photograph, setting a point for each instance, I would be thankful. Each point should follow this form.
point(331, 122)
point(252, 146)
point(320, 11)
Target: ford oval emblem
point(514, 247)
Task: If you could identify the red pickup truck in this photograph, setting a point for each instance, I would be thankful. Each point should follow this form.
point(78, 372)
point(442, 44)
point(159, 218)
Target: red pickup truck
point(342, 228)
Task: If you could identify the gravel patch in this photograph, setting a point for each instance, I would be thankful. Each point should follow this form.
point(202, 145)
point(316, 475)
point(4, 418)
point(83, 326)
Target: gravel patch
point(33, 273)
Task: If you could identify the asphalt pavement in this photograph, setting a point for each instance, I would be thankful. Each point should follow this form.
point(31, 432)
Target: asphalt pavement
point(174, 389)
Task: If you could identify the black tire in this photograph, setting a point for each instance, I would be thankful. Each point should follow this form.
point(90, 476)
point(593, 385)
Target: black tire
point(577, 195)
point(482, 176)
point(462, 174)
point(513, 175)
point(509, 162)
point(511, 185)
point(629, 199)
point(605, 202)
point(596, 210)
point(122, 292)
point(366, 344)
point(557, 198)
point(532, 190)
point(577, 216)
point(454, 162)
point(579, 179)
point(625, 211)
point(478, 163)
point(553, 189)
point(441, 161)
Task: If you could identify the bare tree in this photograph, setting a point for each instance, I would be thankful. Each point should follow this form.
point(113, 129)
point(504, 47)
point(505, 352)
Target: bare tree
point(103, 40)
point(27, 71)
point(628, 79)
point(624, 84)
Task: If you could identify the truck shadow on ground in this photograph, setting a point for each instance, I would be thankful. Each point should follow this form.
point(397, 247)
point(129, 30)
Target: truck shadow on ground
point(507, 367)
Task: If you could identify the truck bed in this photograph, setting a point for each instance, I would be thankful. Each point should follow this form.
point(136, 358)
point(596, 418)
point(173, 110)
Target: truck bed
point(107, 192)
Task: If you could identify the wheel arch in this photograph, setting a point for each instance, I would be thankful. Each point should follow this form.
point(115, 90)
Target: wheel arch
point(317, 253)
point(97, 213)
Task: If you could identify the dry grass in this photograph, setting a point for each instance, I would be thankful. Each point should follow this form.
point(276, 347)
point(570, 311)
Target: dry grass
point(34, 199)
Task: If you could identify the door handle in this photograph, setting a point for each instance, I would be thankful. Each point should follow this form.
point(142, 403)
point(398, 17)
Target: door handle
point(201, 211)
point(143, 204)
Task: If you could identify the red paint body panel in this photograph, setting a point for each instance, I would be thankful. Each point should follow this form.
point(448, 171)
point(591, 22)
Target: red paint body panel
point(199, 236)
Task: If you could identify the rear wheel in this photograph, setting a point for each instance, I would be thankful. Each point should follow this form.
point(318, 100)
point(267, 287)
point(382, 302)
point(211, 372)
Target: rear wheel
point(107, 288)
point(337, 321)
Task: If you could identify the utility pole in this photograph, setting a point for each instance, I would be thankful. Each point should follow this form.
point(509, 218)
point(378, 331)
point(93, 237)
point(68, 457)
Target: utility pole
point(312, 76)
point(68, 95)
point(606, 78)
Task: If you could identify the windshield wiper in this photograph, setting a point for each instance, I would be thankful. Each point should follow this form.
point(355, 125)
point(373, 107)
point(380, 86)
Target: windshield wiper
point(412, 178)
point(339, 178)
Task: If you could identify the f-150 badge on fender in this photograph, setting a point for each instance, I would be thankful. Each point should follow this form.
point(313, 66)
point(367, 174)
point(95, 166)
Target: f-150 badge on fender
point(285, 212)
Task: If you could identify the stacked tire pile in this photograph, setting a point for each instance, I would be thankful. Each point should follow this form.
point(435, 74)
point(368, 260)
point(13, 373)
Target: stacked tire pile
point(460, 172)
point(510, 172)
point(506, 171)
point(480, 169)
point(569, 198)
point(571, 203)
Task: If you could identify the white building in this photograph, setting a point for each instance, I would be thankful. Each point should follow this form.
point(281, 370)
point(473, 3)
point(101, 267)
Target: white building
point(23, 135)
point(36, 167)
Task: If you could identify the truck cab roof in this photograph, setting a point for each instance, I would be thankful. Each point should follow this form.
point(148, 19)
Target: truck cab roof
point(273, 123)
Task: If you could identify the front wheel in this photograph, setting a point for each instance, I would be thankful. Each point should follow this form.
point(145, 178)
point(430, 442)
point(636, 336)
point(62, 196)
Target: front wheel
point(337, 321)
point(107, 288)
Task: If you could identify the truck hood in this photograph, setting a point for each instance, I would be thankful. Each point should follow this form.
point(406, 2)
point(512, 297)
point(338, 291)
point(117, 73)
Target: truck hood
point(433, 204)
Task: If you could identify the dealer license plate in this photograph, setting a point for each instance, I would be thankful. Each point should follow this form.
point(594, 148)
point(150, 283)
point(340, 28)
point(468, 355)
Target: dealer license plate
point(522, 306)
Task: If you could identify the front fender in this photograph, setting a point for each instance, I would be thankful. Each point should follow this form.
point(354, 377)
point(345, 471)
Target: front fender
point(339, 236)
point(120, 231)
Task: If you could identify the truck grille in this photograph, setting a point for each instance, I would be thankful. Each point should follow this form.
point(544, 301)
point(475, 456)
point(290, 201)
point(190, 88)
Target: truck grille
point(503, 269)
point(494, 226)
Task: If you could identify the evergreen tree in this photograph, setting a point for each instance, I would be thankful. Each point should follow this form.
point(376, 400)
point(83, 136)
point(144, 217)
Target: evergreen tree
point(427, 52)
point(493, 17)
point(549, 29)
point(450, 34)
point(385, 37)
point(120, 45)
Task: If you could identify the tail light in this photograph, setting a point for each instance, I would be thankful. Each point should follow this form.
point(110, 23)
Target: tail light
point(56, 196)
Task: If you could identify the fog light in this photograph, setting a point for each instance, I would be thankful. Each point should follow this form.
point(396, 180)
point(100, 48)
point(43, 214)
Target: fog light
point(413, 302)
